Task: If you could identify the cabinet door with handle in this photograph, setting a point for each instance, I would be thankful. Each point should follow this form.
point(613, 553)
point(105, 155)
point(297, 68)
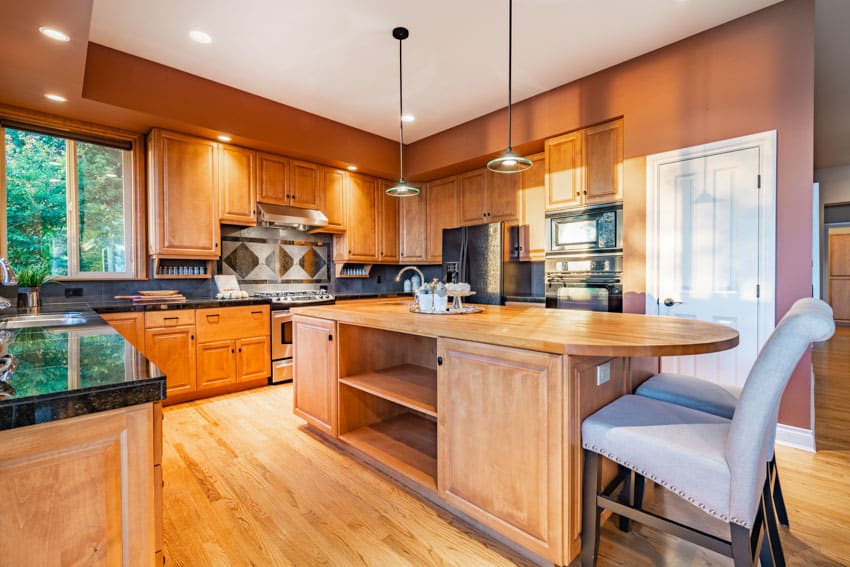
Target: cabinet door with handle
point(172, 349)
point(564, 171)
point(237, 185)
point(472, 197)
point(273, 179)
point(304, 184)
point(216, 364)
point(253, 359)
point(501, 193)
point(315, 383)
point(388, 252)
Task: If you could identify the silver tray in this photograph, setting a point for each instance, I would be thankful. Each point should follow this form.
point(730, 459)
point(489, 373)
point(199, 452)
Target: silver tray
point(462, 311)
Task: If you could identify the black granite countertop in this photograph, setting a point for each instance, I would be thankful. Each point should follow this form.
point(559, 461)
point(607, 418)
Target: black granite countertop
point(125, 305)
point(70, 371)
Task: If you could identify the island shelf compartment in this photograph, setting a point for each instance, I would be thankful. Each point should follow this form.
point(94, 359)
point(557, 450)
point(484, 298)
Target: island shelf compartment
point(388, 399)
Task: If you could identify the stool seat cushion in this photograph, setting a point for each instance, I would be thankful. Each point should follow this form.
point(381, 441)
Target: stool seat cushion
point(692, 392)
point(682, 449)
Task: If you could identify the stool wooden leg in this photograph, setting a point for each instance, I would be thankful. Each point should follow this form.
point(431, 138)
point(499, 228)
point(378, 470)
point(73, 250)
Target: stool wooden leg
point(627, 496)
point(778, 499)
point(742, 553)
point(772, 528)
point(590, 511)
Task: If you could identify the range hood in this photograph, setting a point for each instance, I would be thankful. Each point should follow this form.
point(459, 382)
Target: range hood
point(290, 217)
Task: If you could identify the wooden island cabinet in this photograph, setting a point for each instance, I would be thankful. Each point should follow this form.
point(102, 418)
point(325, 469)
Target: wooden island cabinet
point(481, 413)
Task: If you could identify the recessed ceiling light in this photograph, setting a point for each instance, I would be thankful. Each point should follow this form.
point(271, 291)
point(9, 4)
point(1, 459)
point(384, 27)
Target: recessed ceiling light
point(55, 97)
point(224, 138)
point(53, 33)
point(200, 37)
point(352, 168)
point(407, 118)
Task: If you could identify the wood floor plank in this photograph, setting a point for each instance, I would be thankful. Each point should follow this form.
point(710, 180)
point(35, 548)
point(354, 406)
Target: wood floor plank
point(246, 483)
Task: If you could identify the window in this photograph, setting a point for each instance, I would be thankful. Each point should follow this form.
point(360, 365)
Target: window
point(69, 205)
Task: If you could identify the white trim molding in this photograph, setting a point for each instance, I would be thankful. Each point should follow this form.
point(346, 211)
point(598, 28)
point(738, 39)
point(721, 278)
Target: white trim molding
point(796, 437)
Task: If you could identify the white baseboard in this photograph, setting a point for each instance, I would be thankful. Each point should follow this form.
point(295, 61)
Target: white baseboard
point(796, 437)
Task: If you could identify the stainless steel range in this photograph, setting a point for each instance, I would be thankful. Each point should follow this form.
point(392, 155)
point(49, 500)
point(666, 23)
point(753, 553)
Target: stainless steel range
point(281, 301)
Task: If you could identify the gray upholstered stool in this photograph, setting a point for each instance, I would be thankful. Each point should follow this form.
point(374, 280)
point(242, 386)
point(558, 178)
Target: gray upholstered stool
point(715, 464)
point(719, 400)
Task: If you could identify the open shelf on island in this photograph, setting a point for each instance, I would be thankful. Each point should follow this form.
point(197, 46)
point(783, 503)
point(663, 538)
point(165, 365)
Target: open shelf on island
point(408, 385)
point(406, 442)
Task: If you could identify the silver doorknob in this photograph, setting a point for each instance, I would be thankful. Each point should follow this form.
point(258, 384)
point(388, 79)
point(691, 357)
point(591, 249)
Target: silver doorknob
point(670, 303)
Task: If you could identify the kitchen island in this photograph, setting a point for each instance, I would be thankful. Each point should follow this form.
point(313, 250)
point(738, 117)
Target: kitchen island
point(80, 445)
point(480, 413)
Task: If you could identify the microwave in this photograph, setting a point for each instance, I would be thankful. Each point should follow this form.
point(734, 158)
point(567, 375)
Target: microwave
point(592, 229)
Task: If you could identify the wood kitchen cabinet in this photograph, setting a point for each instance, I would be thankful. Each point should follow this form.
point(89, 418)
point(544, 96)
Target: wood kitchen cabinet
point(518, 493)
point(170, 344)
point(361, 240)
point(332, 198)
point(183, 179)
point(233, 345)
point(130, 325)
point(486, 196)
point(442, 213)
point(528, 236)
point(315, 385)
point(388, 247)
point(305, 185)
point(414, 233)
point(272, 179)
point(585, 167)
point(82, 490)
point(237, 185)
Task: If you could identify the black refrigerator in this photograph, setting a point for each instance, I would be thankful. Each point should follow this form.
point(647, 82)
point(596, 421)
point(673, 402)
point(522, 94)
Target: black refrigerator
point(480, 255)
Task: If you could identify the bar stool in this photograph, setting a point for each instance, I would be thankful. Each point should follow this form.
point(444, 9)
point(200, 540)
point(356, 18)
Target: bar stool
point(713, 463)
point(720, 400)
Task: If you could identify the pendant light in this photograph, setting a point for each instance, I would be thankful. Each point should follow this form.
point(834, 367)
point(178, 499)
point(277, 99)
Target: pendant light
point(401, 189)
point(509, 162)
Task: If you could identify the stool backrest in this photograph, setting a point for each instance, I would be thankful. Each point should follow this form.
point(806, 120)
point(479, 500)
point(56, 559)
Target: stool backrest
point(807, 321)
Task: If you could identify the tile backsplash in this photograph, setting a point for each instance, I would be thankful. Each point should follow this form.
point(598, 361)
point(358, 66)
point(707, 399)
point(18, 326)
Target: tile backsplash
point(264, 255)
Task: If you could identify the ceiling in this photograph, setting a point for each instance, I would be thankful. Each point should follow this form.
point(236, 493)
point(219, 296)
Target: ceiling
point(338, 59)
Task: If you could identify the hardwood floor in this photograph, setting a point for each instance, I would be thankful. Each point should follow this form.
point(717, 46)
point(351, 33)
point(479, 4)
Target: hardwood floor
point(247, 484)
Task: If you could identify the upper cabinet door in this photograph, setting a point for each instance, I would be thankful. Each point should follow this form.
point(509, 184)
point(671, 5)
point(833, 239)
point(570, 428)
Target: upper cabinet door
point(413, 216)
point(564, 176)
point(501, 196)
point(361, 213)
point(304, 185)
point(183, 181)
point(531, 231)
point(442, 213)
point(472, 197)
point(388, 252)
point(273, 179)
point(332, 197)
point(237, 188)
point(603, 151)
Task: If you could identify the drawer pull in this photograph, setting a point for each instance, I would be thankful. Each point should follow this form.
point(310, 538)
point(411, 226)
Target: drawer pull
point(212, 318)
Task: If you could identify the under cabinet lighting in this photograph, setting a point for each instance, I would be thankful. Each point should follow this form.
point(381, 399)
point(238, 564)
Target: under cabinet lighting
point(55, 97)
point(53, 33)
point(224, 138)
point(200, 36)
point(407, 118)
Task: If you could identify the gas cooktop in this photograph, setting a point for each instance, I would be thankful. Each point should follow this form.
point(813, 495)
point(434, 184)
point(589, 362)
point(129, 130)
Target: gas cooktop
point(299, 297)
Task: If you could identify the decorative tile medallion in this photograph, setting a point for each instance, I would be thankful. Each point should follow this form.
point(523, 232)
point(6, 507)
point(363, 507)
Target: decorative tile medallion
point(266, 260)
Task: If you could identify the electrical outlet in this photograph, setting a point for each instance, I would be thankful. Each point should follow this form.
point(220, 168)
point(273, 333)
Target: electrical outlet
point(379, 278)
point(603, 373)
point(73, 292)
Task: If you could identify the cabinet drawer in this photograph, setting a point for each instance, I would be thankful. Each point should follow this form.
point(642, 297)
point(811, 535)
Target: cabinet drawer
point(228, 323)
point(170, 318)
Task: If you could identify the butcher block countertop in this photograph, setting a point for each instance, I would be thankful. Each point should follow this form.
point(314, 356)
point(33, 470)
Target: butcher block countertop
point(559, 331)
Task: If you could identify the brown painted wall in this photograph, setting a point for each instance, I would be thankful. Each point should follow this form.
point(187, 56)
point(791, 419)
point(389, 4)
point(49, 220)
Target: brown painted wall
point(750, 75)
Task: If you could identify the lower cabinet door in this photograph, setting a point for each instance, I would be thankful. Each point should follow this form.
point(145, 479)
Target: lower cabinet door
point(500, 440)
point(216, 364)
point(315, 383)
point(172, 349)
point(253, 359)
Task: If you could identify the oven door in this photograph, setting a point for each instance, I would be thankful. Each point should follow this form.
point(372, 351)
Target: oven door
point(281, 346)
point(585, 296)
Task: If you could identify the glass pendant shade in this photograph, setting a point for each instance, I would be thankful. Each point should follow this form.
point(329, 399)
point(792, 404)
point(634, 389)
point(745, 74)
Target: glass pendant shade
point(509, 162)
point(401, 189)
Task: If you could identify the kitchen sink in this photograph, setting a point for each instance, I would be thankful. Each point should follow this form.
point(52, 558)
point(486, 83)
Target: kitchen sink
point(67, 319)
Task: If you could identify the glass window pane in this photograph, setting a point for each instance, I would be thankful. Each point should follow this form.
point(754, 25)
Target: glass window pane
point(101, 205)
point(36, 201)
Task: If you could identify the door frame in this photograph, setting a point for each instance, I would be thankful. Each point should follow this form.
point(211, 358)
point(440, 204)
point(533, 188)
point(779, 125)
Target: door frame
point(766, 143)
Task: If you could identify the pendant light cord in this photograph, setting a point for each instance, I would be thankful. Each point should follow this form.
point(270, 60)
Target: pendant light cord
point(400, 116)
point(510, 54)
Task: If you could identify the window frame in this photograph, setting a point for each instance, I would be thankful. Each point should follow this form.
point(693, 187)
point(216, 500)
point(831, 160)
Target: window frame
point(134, 199)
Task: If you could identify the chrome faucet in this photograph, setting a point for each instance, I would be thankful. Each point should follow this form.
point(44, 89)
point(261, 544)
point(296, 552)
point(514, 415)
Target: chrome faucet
point(414, 268)
point(7, 274)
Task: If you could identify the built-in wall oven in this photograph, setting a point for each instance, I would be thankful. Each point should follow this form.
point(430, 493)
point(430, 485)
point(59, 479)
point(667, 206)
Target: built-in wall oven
point(584, 259)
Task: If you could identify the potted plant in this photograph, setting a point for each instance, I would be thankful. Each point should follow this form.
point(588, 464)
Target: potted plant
point(30, 280)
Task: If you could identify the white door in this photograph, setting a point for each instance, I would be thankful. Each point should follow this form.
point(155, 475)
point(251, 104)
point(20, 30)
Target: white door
point(708, 255)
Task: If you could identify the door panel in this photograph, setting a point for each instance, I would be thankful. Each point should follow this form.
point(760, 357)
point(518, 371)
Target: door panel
point(708, 255)
point(253, 359)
